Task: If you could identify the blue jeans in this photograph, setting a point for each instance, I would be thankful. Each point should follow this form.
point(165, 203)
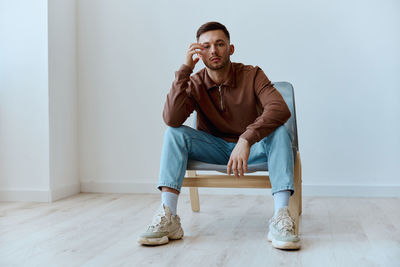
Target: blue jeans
point(183, 143)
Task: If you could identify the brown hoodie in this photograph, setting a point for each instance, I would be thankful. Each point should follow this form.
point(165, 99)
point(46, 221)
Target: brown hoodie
point(246, 105)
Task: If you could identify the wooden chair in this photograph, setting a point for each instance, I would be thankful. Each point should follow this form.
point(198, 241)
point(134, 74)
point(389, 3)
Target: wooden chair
point(193, 180)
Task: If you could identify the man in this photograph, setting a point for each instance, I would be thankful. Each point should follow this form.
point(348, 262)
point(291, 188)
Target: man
point(240, 117)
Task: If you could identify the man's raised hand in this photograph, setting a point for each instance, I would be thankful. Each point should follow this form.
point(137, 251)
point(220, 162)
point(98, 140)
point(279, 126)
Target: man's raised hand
point(194, 48)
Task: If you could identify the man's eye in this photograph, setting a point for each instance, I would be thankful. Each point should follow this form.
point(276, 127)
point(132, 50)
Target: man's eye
point(206, 46)
point(221, 44)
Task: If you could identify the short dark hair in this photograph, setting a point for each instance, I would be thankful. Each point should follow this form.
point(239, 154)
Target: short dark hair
point(211, 26)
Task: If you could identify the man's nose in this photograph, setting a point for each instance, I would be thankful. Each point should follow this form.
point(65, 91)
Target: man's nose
point(213, 49)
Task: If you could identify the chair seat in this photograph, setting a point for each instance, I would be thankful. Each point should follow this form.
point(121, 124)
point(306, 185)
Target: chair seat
point(195, 165)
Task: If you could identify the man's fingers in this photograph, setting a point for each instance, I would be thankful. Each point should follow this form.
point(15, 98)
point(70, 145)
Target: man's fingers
point(195, 52)
point(228, 170)
point(190, 61)
point(240, 167)
point(194, 48)
point(191, 53)
point(197, 49)
point(234, 167)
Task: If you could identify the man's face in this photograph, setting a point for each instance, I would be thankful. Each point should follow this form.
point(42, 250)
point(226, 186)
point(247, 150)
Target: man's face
point(217, 49)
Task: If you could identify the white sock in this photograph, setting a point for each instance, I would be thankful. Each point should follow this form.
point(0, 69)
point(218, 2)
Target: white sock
point(171, 200)
point(281, 199)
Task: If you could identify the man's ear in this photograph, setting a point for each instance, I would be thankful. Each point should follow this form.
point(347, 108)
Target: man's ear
point(232, 49)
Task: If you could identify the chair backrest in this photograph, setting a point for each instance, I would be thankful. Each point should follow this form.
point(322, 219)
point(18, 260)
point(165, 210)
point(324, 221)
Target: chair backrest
point(287, 92)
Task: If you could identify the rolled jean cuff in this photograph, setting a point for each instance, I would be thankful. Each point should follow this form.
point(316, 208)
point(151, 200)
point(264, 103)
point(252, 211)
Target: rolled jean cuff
point(274, 190)
point(173, 186)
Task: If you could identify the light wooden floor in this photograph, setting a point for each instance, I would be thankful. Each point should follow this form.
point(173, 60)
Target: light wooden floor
point(101, 229)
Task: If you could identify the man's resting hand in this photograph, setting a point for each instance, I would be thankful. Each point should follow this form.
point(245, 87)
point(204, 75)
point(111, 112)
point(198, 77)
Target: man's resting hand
point(238, 159)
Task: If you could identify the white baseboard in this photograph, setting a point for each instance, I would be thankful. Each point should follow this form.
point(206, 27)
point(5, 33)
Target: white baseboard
point(351, 190)
point(150, 188)
point(308, 189)
point(24, 195)
point(118, 187)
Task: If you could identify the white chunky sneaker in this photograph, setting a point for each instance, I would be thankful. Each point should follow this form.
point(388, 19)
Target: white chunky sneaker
point(282, 231)
point(164, 226)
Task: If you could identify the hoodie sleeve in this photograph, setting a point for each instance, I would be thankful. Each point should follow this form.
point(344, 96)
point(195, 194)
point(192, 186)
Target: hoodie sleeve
point(275, 110)
point(179, 104)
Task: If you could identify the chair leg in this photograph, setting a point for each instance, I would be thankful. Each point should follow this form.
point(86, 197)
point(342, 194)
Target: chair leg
point(194, 194)
point(194, 199)
point(300, 187)
point(295, 200)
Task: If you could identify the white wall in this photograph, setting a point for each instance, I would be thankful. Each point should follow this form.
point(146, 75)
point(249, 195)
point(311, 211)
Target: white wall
point(63, 99)
point(341, 56)
point(38, 100)
point(24, 128)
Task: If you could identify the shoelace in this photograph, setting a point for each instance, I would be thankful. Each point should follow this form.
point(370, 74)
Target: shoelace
point(285, 221)
point(157, 221)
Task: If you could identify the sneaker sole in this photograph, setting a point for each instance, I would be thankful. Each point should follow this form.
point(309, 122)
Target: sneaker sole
point(283, 244)
point(153, 241)
point(178, 234)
